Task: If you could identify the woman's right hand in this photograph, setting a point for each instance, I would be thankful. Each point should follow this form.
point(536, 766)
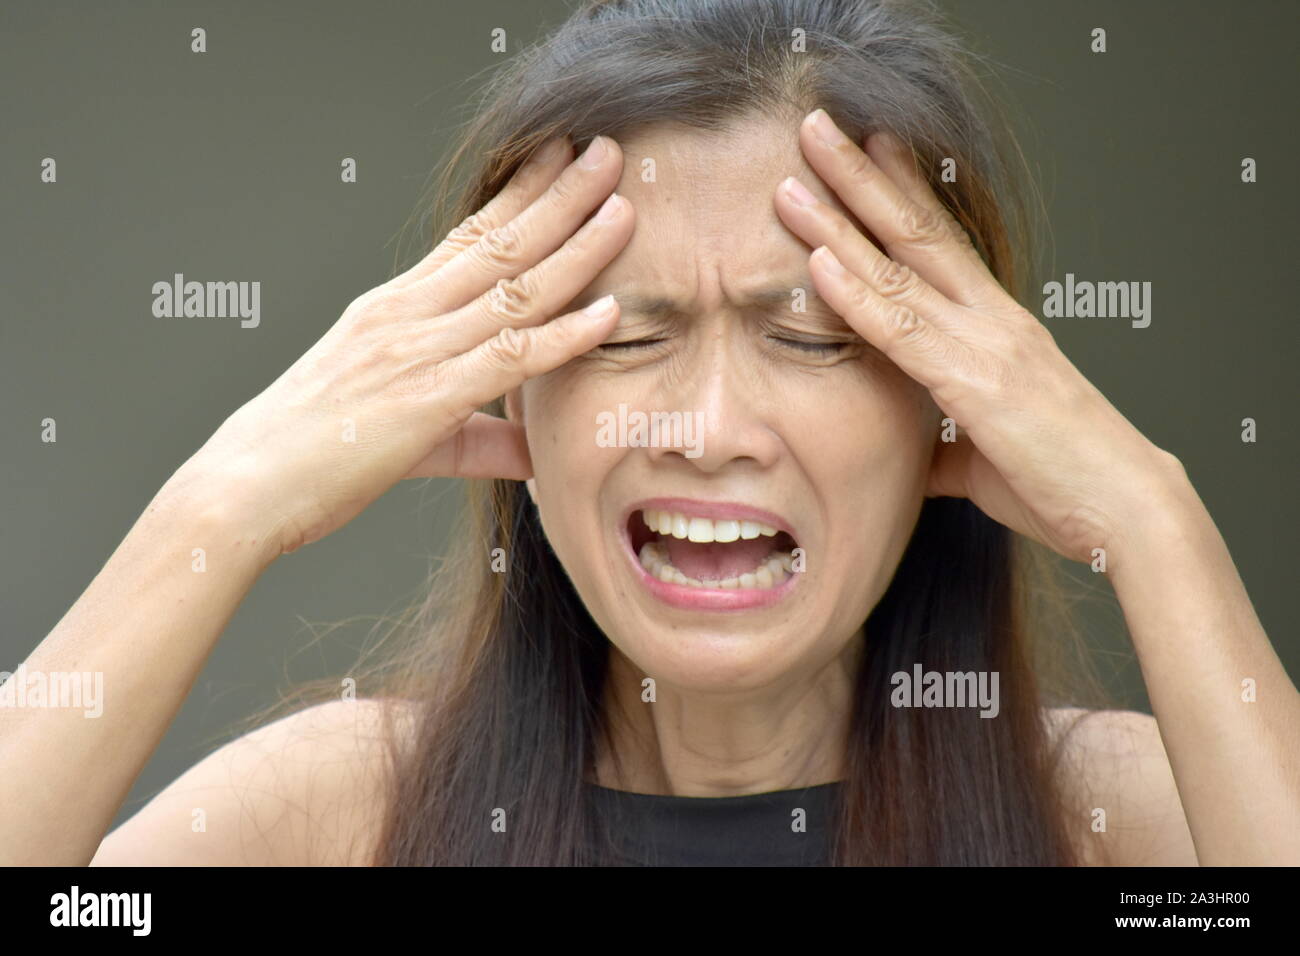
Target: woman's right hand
point(402, 374)
point(391, 391)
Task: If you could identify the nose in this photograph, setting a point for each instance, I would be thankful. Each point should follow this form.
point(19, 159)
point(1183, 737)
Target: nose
point(722, 389)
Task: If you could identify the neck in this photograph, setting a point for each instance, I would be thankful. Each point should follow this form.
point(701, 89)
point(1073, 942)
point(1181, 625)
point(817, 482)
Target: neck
point(709, 744)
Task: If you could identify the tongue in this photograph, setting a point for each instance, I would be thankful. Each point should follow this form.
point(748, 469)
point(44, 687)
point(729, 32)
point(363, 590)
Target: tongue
point(715, 561)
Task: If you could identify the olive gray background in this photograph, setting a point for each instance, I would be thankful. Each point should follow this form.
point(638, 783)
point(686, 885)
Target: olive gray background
point(225, 166)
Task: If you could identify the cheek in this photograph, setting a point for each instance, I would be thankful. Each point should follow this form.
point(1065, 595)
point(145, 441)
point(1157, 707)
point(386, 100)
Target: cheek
point(867, 458)
point(568, 466)
point(902, 417)
point(880, 423)
point(560, 422)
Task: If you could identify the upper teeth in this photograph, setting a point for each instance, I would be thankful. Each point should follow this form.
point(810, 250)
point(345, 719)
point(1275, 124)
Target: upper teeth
point(704, 529)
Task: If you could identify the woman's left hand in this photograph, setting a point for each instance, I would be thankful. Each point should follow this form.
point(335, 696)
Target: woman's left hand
point(1048, 456)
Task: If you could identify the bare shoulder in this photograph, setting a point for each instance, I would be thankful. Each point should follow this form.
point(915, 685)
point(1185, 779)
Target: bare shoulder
point(305, 790)
point(1115, 761)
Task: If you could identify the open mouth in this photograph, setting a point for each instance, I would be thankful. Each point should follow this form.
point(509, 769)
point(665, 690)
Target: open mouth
point(710, 553)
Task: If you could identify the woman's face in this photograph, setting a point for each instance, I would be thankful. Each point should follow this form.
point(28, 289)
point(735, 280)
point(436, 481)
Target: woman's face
point(828, 444)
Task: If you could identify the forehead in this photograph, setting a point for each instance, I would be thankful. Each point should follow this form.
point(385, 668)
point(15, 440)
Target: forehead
point(721, 163)
point(705, 210)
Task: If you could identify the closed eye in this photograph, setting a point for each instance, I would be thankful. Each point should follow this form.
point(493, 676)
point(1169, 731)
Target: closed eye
point(821, 348)
point(632, 344)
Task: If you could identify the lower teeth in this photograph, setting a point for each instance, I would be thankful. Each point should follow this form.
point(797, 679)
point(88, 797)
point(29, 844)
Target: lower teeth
point(770, 573)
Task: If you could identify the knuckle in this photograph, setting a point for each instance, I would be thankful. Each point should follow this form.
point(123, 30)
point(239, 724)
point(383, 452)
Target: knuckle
point(501, 247)
point(894, 279)
point(1023, 339)
point(905, 326)
point(921, 225)
point(509, 348)
point(861, 298)
point(1014, 355)
point(957, 232)
point(512, 299)
point(389, 355)
point(468, 232)
point(1024, 345)
point(948, 226)
point(378, 348)
point(380, 304)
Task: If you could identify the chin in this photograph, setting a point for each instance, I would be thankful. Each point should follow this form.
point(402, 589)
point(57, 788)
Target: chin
point(703, 661)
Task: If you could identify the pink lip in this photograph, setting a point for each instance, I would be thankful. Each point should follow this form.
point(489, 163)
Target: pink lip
point(708, 599)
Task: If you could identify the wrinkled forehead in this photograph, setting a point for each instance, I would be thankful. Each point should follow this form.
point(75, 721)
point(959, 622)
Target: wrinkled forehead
point(673, 160)
point(705, 206)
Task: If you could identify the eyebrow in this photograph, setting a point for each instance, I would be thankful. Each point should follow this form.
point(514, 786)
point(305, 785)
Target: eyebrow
point(661, 306)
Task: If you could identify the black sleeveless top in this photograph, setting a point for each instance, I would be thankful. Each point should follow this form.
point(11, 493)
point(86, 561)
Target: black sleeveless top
point(759, 829)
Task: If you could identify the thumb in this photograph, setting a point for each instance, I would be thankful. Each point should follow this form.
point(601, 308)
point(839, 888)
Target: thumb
point(485, 447)
point(950, 469)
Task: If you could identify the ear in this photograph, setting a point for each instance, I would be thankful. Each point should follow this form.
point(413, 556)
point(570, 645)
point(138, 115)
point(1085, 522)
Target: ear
point(514, 402)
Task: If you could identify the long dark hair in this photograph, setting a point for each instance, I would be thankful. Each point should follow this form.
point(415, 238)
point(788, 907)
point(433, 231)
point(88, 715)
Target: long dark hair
point(505, 674)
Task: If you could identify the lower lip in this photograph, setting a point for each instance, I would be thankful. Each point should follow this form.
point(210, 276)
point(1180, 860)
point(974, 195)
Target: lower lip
point(709, 599)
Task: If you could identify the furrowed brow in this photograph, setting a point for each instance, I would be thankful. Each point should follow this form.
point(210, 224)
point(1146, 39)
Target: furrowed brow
point(652, 306)
point(770, 299)
point(661, 306)
point(779, 301)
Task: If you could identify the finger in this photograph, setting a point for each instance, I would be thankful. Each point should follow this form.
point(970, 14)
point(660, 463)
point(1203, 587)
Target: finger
point(924, 237)
point(899, 163)
point(960, 470)
point(508, 249)
point(486, 447)
point(819, 223)
point(538, 294)
point(911, 342)
point(512, 356)
point(528, 183)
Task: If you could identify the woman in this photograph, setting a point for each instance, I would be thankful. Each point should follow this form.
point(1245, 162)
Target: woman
point(711, 641)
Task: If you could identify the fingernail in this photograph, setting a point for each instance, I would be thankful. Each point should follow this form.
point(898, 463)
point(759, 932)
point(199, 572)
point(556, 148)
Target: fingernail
point(829, 261)
point(599, 309)
point(799, 192)
point(826, 129)
point(547, 151)
point(593, 154)
point(609, 210)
